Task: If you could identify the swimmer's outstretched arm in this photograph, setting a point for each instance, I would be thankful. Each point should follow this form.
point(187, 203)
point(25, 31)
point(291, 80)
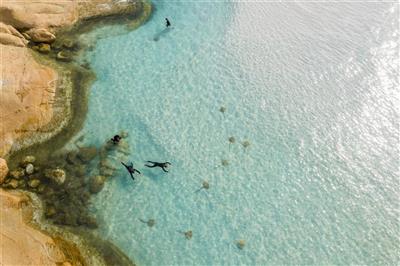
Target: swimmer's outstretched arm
point(124, 165)
point(164, 169)
point(135, 170)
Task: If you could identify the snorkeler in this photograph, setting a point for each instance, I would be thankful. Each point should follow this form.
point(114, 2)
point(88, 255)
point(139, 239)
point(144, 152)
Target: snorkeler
point(131, 170)
point(167, 23)
point(116, 139)
point(156, 164)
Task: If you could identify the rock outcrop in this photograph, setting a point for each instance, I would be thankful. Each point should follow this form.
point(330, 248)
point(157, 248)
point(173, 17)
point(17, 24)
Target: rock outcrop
point(28, 105)
point(20, 243)
point(10, 36)
point(3, 170)
point(28, 88)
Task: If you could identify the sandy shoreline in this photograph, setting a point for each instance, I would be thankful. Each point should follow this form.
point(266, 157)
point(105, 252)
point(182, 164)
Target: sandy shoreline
point(43, 104)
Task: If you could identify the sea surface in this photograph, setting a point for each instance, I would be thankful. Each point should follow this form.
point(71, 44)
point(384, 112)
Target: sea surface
point(314, 89)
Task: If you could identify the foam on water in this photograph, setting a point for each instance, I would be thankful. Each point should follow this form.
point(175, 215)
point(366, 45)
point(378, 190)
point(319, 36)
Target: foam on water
point(312, 86)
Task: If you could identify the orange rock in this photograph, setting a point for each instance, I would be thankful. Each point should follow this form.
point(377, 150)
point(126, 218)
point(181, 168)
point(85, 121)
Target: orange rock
point(28, 90)
point(41, 35)
point(20, 243)
point(3, 170)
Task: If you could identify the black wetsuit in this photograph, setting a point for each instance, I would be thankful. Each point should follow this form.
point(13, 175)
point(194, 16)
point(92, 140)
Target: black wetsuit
point(131, 170)
point(167, 23)
point(156, 164)
point(116, 139)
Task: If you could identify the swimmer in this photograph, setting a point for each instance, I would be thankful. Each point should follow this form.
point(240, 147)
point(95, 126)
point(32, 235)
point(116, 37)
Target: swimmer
point(156, 164)
point(131, 170)
point(167, 23)
point(116, 139)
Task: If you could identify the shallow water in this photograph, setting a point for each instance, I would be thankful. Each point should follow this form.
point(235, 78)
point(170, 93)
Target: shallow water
point(312, 86)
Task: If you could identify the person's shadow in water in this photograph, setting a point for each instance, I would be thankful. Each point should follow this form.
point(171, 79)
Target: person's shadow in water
point(152, 174)
point(162, 33)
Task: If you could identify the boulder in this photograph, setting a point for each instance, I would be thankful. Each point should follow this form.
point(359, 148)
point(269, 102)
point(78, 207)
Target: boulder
point(72, 158)
point(22, 183)
point(57, 175)
point(17, 174)
point(41, 188)
point(28, 159)
point(12, 184)
point(41, 35)
point(34, 183)
point(29, 169)
point(70, 44)
point(96, 183)
point(107, 164)
point(64, 56)
point(50, 211)
point(106, 171)
point(87, 154)
point(3, 170)
point(44, 48)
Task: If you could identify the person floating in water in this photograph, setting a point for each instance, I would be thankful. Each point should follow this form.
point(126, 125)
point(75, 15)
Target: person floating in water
point(116, 139)
point(167, 23)
point(131, 170)
point(156, 164)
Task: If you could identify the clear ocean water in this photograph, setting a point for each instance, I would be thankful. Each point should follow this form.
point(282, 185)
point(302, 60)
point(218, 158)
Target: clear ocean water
point(313, 86)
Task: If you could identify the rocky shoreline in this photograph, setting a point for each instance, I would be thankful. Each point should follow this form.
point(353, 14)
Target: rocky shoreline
point(59, 182)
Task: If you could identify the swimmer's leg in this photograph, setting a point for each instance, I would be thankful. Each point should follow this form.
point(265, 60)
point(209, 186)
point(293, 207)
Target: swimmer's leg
point(133, 178)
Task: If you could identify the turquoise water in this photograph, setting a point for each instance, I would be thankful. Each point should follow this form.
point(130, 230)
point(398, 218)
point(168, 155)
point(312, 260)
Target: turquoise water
point(312, 86)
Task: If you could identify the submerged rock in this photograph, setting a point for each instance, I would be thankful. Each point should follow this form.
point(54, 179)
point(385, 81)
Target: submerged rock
point(17, 174)
point(44, 48)
point(57, 175)
point(12, 184)
point(28, 159)
point(70, 44)
point(21, 183)
point(96, 183)
point(64, 56)
point(107, 164)
point(34, 183)
point(41, 188)
point(72, 157)
point(50, 211)
point(86, 154)
point(29, 169)
point(106, 171)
